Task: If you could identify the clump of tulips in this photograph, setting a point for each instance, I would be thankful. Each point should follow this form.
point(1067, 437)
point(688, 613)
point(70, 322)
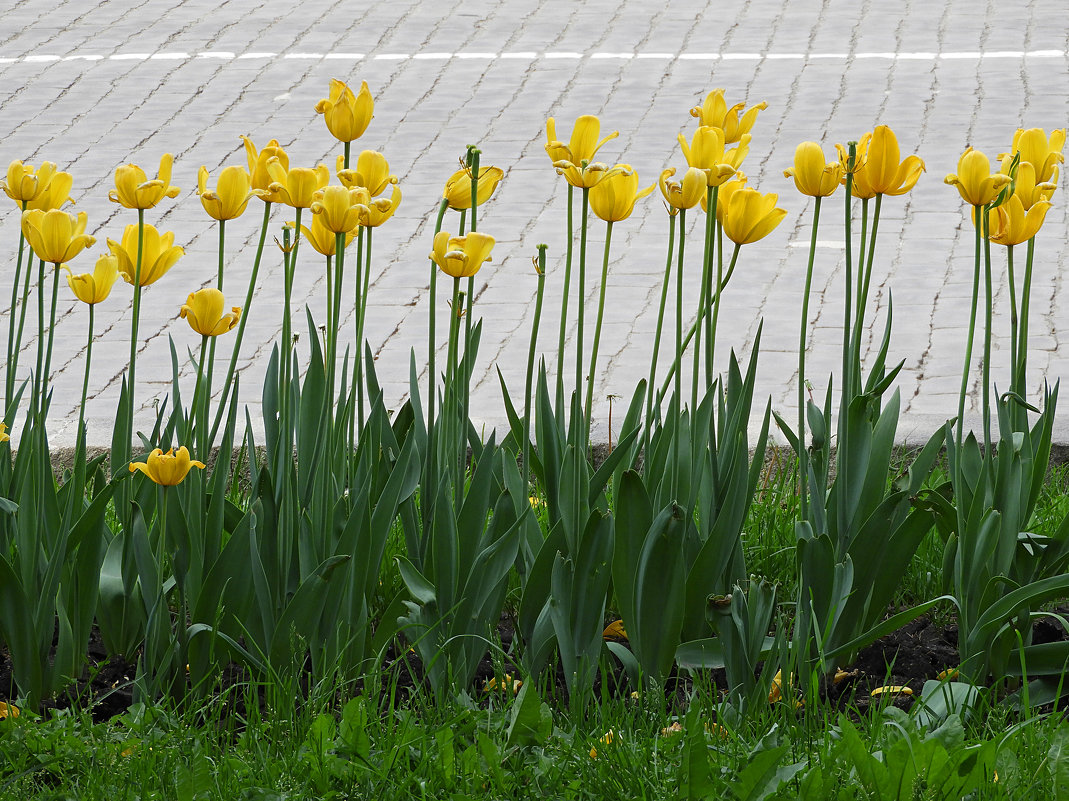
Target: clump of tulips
point(292, 571)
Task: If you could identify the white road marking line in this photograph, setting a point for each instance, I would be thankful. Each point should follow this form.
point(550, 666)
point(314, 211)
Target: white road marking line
point(969, 55)
point(831, 244)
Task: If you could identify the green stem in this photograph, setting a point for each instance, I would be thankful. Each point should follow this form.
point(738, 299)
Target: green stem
point(12, 345)
point(132, 389)
point(528, 384)
point(228, 382)
point(803, 454)
point(1012, 280)
point(1026, 295)
point(85, 382)
point(597, 330)
point(361, 321)
point(51, 335)
point(863, 283)
point(710, 322)
point(564, 302)
point(199, 408)
point(679, 309)
point(345, 163)
point(22, 320)
point(665, 283)
point(37, 386)
point(847, 381)
point(431, 492)
point(454, 457)
point(581, 305)
point(704, 294)
point(987, 333)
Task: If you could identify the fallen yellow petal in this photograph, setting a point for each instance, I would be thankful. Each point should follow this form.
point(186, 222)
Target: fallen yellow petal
point(891, 689)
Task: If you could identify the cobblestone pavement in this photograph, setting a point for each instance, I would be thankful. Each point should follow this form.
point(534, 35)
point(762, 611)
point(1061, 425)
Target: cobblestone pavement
point(92, 85)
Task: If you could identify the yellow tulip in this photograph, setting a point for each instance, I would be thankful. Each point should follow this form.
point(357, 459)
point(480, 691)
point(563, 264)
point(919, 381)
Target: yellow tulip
point(167, 469)
point(715, 112)
point(1039, 150)
point(372, 172)
point(8, 710)
point(685, 194)
point(204, 311)
point(1011, 224)
point(458, 187)
point(321, 238)
point(879, 170)
point(134, 190)
point(231, 196)
point(974, 180)
point(613, 199)
point(260, 177)
point(296, 187)
point(812, 175)
point(583, 144)
point(583, 177)
point(4, 438)
point(461, 256)
point(379, 210)
point(750, 215)
point(158, 254)
point(706, 152)
point(1026, 187)
point(56, 236)
point(55, 194)
point(724, 193)
point(339, 208)
point(95, 287)
point(347, 115)
point(24, 183)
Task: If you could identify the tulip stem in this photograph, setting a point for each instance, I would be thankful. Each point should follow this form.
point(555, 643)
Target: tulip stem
point(211, 346)
point(333, 311)
point(241, 325)
point(581, 306)
point(22, 321)
point(863, 284)
point(85, 384)
point(1012, 280)
point(803, 461)
point(432, 385)
point(526, 447)
point(345, 157)
point(710, 322)
point(1021, 365)
point(847, 377)
point(564, 303)
point(37, 404)
point(679, 311)
point(51, 338)
point(597, 330)
point(987, 332)
point(128, 434)
point(199, 407)
point(721, 282)
point(12, 345)
point(657, 341)
point(366, 232)
point(451, 389)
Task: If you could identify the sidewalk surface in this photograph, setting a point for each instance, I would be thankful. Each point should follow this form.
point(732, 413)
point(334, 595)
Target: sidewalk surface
point(91, 86)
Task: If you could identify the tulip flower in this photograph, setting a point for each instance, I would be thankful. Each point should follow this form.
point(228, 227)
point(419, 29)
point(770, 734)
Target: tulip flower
point(4, 437)
point(296, 187)
point(134, 190)
point(347, 115)
point(879, 169)
point(583, 145)
point(715, 112)
point(613, 199)
point(381, 209)
point(95, 287)
point(1041, 152)
point(1011, 224)
point(158, 255)
point(372, 172)
point(204, 311)
point(232, 194)
point(750, 215)
point(167, 469)
point(458, 187)
point(706, 152)
point(24, 183)
point(322, 239)
point(461, 256)
point(56, 236)
point(1025, 186)
point(585, 177)
point(974, 179)
point(685, 194)
point(737, 182)
point(55, 194)
point(339, 208)
point(258, 173)
point(812, 175)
